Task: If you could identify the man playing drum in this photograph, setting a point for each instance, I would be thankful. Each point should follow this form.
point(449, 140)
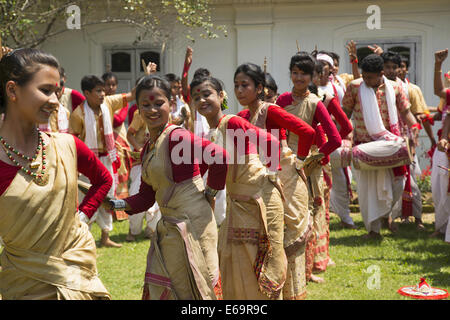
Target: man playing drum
point(378, 105)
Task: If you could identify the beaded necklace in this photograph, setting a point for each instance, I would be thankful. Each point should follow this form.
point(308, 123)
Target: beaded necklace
point(39, 178)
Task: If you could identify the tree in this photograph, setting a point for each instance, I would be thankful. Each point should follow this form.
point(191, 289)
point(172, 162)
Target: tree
point(29, 23)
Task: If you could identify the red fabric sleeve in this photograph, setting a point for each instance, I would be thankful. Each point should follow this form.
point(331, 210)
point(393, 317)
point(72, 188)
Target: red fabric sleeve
point(284, 100)
point(334, 108)
point(333, 138)
point(120, 116)
point(7, 172)
point(263, 138)
point(131, 111)
point(77, 99)
point(448, 97)
point(204, 155)
point(278, 117)
point(143, 200)
point(99, 176)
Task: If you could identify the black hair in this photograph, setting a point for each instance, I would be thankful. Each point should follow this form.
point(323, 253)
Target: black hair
point(202, 72)
point(318, 66)
point(214, 82)
point(62, 72)
point(270, 83)
point(372, 63)
point(255, 73)
point(88, 83)
point(109, 75)
point(334, 56)
point(153, 81)
point(405, 60)
point(20, 66)
point(171, 77)
point(303, 61)
point(392, 57)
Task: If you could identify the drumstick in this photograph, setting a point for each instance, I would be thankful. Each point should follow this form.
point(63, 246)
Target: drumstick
point(444, 168)
point(298, 47)
point(265, 65)
point(144, 65)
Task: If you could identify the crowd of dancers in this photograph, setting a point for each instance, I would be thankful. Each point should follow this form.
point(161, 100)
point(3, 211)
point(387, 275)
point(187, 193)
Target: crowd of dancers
point(235, 206)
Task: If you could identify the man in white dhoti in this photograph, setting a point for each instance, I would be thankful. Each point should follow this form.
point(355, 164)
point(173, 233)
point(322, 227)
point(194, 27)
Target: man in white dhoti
point(376, 104)
point(439, 175)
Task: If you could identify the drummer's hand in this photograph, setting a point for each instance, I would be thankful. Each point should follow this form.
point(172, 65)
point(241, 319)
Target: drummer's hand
point(211, 200)
point(442, 145)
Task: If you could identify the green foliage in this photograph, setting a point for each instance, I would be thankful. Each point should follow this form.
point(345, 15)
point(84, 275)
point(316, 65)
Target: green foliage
point(424, 184)
point(402, 260)
point(25, 23)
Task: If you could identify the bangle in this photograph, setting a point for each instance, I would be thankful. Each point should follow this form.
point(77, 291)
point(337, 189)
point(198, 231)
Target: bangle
point(416, 125)
point(353, 61)
point(118, 204)
point(210, 191)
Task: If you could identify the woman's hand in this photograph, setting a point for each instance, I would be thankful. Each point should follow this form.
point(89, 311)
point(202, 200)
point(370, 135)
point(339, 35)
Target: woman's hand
point(442, 145)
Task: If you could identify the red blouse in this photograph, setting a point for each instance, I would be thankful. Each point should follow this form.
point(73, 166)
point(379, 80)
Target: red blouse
point(88, 164)
point(281, 120)
point(184, 171)
point(322, 117)
point(77, 99)
point(335, 109)
point(120, 116)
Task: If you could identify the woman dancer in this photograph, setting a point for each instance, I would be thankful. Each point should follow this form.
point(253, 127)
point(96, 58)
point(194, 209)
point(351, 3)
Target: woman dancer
point(182, 260)
point(49, 252)
point(309, 108)
point(253, 263)
point(249, 84)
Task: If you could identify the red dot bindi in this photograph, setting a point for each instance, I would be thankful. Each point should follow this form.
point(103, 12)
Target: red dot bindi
point(198, 90)
point(151, 98)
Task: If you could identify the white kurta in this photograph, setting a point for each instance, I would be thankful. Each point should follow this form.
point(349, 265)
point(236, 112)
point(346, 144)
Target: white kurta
point(439, 188)
point(378, 192)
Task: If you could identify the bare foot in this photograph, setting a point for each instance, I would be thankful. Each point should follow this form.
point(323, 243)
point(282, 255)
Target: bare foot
point(110, 244)
point(331, 263)
point(130, 237)
point(316, 279)
point(419, 225)
point(348, 225)
point(435, 234)
point(372, 235)
point(392, 225)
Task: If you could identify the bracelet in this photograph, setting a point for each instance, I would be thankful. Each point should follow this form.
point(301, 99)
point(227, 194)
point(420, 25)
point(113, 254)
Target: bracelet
point(211, 192)
point(353, 61)
point(416, 125)
point(118, 204)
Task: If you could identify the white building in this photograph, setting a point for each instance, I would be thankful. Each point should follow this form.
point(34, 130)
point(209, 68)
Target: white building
point(269, 28)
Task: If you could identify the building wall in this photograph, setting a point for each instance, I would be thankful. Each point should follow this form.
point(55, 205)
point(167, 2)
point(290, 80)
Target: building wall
point(259, 29)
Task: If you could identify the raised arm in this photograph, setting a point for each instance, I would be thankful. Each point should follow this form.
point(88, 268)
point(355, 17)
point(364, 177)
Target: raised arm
point(439, 58)
point(351, 48)
point(184, 76)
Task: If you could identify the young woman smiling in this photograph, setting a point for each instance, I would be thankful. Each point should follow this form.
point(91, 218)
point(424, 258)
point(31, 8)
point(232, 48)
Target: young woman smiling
point(249, 82)
point(253, 263)
point(310, 109)
point(182, 260)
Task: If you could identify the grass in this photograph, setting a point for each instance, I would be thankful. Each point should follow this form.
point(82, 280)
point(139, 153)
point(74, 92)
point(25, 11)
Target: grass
point(401, 260)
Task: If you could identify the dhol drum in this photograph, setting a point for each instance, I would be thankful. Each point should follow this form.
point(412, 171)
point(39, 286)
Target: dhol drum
point(342, 156)
point(382, 154)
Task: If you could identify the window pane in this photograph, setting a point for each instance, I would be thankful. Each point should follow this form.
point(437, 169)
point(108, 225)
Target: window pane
point(362, 53)
point(121, 62)
point(150, 56)
point(403, 51)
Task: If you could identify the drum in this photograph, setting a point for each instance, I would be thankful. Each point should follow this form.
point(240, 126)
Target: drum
point(382, 154)
point(342, 156)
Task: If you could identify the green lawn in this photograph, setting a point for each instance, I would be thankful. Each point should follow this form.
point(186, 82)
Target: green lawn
point(398, 260)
